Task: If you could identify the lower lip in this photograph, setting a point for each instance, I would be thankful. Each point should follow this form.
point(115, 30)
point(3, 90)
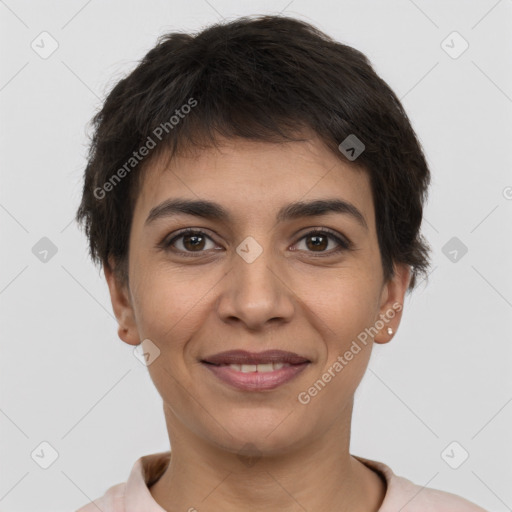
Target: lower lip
point(256, 381)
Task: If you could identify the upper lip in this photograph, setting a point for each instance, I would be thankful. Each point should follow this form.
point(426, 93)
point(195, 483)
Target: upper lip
point(244, 357)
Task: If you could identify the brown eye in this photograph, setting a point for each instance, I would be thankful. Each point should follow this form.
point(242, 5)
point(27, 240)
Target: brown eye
point(319, 241)
point(189, 241)
point(193, 242)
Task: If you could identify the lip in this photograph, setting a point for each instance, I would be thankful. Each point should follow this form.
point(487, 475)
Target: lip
point(255, 381)
point(218, 365)
point(245, 357)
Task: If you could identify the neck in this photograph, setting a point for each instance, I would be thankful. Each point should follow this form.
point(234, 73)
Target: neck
point(319, 475)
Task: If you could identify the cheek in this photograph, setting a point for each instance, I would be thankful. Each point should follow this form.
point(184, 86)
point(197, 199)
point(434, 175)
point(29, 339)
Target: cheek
point(347, 352)
point(346, 311)
point(347, 304)
point(170, 307)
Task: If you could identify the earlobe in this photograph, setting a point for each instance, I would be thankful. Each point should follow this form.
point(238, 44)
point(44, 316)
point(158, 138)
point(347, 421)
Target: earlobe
point(392, 302)
point(122, 306)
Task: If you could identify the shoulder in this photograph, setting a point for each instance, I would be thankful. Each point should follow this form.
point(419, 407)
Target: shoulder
point(111, 501)
point(404, 495)
point(133, 495)
point(416, 498)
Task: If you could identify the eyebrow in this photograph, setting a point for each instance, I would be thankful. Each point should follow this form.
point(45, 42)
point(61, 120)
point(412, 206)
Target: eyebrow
point(214, 211)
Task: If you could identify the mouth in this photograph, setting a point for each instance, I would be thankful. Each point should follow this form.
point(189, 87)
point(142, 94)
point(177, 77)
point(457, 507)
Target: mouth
point(252, 371)
point(244, 358)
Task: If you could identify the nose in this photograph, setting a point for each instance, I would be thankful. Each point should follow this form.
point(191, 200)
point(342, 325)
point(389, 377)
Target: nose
point(255, 293)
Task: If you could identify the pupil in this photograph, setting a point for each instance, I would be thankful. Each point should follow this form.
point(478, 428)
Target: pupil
point(194, 244)
point(317, 243)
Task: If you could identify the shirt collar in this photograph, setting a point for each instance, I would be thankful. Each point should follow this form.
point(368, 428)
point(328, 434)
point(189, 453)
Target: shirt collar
point(148, 469)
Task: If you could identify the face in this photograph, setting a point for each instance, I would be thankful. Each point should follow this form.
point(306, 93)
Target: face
point(269, 274)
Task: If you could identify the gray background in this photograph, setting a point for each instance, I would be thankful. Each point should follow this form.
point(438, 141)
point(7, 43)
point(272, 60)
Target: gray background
point(68, 380)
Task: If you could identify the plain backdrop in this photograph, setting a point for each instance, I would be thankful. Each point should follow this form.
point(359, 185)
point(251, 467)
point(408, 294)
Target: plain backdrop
point(66, 378)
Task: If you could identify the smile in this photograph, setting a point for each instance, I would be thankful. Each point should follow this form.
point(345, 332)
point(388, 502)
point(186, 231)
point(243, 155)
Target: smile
point(259, 377)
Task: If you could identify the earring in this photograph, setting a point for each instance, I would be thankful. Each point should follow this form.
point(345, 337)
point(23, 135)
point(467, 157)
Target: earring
point(390, 331)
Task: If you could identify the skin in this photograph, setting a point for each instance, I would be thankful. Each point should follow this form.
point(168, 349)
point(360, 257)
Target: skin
point(288, 298)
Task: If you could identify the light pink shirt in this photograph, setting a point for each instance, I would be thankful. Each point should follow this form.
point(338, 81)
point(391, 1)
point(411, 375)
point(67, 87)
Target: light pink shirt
point(401, 494)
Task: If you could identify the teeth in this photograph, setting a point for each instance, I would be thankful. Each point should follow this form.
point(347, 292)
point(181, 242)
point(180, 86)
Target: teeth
point(261, 368)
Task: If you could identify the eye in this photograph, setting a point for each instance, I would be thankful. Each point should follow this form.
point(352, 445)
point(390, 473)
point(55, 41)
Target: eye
point(317, 241)
point(188, 241)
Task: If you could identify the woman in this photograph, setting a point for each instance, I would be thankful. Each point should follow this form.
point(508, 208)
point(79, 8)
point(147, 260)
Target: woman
point(255, 194)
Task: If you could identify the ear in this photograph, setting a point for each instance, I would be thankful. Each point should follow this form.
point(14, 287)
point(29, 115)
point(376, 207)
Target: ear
point(122, 306)
point(392, 303)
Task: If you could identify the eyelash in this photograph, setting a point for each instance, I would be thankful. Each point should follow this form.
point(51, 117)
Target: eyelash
point(345, 244)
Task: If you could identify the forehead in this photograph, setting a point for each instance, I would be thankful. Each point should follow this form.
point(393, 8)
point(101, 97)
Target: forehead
point(253, 177)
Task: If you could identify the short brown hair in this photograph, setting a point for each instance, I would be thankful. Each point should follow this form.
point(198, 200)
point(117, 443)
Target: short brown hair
point(263, 78)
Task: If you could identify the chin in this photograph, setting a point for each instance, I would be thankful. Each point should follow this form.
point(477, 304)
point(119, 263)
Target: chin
point(256, 437)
